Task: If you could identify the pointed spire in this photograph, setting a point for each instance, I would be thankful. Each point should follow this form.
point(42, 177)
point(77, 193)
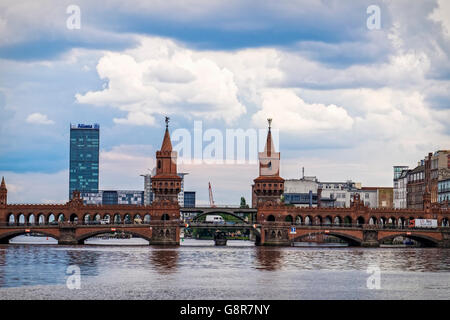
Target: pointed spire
point(3, 185)
point(167, 144)
point(269, 143)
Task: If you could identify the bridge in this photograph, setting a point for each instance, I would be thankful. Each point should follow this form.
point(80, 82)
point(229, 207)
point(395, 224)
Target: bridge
point(266, 233)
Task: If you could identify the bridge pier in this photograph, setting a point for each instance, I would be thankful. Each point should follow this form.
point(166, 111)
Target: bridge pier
point(370, 239)
point(167, 235)
point(445, 242)
point(274, 236)
point(67, 235)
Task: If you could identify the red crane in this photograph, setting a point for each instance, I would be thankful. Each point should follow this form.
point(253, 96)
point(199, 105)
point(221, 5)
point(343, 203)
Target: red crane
point(211, 199)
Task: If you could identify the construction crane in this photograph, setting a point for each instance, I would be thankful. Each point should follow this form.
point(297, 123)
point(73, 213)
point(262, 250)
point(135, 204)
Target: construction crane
point(211, 199)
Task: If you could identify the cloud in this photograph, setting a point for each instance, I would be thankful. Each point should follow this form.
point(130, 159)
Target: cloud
point(38, 118)
point(291, 113)
point(162, 77)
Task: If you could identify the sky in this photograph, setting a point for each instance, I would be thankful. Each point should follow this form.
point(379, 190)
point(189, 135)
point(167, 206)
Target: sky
point(348, 100)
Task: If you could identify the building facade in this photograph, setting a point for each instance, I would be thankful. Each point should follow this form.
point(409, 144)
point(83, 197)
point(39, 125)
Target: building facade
point(84, 158)
point(416, 187)
point(189, 199)
point(113, 197)
point(301, 192)
point(400, 182)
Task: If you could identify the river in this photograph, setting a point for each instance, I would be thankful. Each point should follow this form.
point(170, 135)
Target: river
point(199, 270)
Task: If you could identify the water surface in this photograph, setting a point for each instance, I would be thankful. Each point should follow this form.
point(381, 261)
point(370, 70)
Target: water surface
point(199, 270)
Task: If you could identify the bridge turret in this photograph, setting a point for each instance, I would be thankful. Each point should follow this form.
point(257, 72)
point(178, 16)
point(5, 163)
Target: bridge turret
point(269, 186)
point(166, 184)
point(3, 194)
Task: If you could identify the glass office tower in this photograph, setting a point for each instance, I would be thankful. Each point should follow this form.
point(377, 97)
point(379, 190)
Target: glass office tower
point(84, 155)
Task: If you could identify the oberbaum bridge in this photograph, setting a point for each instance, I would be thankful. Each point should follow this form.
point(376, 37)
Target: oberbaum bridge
point(270, 223)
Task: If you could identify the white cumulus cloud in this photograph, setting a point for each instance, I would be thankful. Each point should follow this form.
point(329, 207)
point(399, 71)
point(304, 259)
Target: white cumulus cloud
point(39, 118)
point(162, 77)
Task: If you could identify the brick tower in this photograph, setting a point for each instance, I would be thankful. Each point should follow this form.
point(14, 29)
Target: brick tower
point(3, 194)
point(269, 186)
point(166, 184)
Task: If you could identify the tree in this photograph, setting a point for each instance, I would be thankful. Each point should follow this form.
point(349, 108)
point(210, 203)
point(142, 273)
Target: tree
point(243, 203)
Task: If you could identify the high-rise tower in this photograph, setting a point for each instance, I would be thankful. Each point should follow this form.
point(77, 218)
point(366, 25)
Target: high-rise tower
point(166, 184)
point(84, 155)
point(269, 186)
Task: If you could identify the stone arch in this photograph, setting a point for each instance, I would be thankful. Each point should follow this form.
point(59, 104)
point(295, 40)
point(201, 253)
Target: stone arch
point(136, 217)
point(348, 221)
point(21, 219)
point(220, 212)
point(337, 221)
point(308, 220)
point(392, 222)
point(360, 221)
point(107, 217)
point(61, 217)
point(317, 220)
point(147, 218)
point(5, 237)
point(97, 217)
point(117, 219)
point(31, 219)
point(327, 221)
point(350, 239)
point(373, 220)
point(165, 217)
point(401, 222)
point(425, 240)
point(271, 218)
point(11, 219)
point(383, 221)
point(88, 235)
point(41, 218)
point(298, 219)
point(73, 217)
point(51, 218)
point(87, 218)
point(289, 218)
point(444, 222)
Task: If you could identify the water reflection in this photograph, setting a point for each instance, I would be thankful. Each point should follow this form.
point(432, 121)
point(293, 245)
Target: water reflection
point(165, 260)
point(268, 258)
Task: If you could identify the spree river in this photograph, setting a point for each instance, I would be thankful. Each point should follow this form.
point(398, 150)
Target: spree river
point(199, 270)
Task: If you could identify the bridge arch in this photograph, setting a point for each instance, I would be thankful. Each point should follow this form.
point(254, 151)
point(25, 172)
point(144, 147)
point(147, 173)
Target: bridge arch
point(348, 220)
point(228, 213)
point(289, 218)
point(5, 237)
point(328, 220)
point(318, 220)
point(41, 218)
point(426, 240)
point(271, 218)
point(11, 219)
point(351, 240)
point(308, 220)
point(31, 219)
point(80, 239)
point(337, 221)
point(360, 220)
point(298, 219)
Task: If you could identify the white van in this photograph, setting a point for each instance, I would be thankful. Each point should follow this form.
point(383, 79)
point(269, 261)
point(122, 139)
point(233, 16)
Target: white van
point(214, 219)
